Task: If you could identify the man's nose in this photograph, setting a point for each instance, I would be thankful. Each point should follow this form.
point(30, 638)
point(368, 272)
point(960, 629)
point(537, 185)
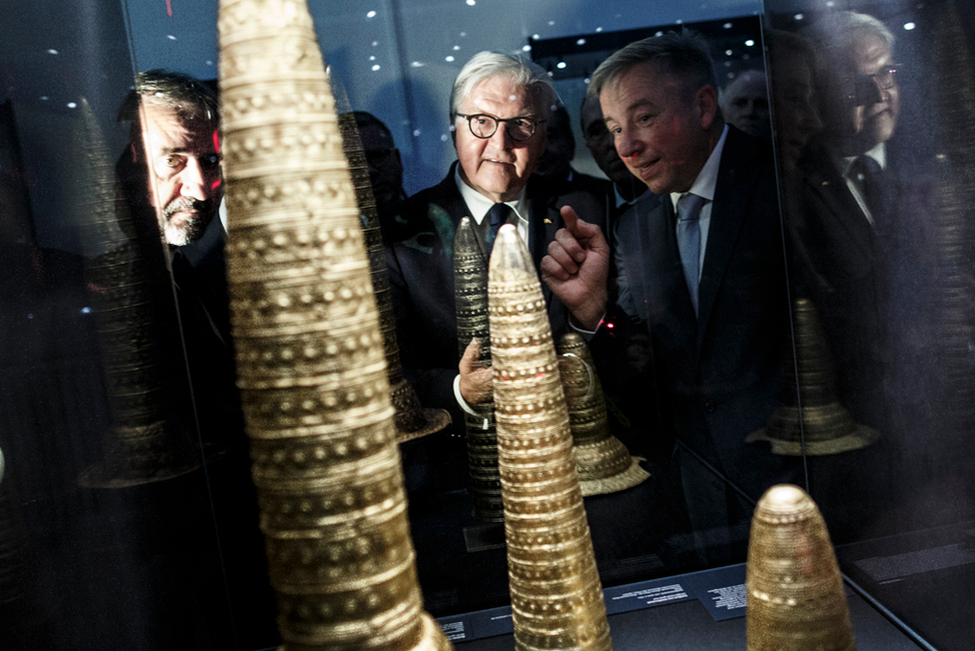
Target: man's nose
point(626, 145)
point(501, 138)
point(193, 180)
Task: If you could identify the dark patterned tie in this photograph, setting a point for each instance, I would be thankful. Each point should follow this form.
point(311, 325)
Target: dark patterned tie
point(689, 240)
point(499, 214)
point(869, 178)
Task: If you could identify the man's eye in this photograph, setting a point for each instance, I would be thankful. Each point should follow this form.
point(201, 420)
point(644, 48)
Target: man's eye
point(521, 122)
point(481, 120)
point(173, 161)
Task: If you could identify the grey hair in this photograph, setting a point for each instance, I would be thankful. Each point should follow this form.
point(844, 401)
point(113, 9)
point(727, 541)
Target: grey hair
point(516, 69)
point(684, 56)
point(837, 32)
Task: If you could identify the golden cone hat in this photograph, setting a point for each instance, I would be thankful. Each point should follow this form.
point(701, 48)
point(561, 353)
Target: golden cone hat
point(604, 463)
point(556, 594)
point(311, 361)
point(812, 420)
point(412, 419)
point(471, 306)
point(795, 590)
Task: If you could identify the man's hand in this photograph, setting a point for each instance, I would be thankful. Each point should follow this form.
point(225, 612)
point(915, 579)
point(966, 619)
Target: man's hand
point(476, 385)
point(576, 269)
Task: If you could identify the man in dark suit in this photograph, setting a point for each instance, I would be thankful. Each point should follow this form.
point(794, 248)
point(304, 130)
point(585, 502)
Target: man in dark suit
point(499, 106)
point(705, 284)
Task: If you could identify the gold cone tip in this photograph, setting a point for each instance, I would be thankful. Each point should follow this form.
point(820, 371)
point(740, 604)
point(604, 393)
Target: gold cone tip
point(509, 253)
point(795, 591)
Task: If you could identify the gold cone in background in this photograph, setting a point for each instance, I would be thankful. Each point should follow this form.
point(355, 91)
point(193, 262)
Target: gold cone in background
point(556, 595)
point(412, 420)
point(471, 305)
point(795, 591)
point(152, 435)
point(827, 427)
point(310, 356)
point(604, 463)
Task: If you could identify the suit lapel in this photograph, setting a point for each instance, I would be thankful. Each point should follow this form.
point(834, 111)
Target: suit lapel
point(732, 197)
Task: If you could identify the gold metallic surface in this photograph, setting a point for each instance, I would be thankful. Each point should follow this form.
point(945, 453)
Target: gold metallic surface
point(795, 591)
point(412, 420)
point(471, 305)
point(826, 426)
point(311, 358)
point(604, 463)
point(152, 436)
point(556, 595)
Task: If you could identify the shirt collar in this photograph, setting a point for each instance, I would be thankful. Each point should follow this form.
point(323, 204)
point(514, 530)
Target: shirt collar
point(479, 205)
point(707, 178)
point(878, 153)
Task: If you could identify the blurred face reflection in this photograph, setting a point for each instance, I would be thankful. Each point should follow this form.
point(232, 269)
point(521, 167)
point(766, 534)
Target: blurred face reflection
point(600, 143)
point(866, 102)
point(746, 106)
point(795, 117)
point(498, 167)
point(385, 165)
point(184, 172)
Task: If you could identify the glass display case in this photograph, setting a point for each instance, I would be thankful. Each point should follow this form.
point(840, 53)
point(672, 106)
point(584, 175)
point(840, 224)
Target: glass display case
point(128, 517)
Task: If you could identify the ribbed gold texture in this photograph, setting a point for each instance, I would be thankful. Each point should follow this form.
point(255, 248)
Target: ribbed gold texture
point(310, 356)
point(827, 427)
point(471, 305)
point(556, 595)
point(795, 591)
point(604, 463)
point(151, 437)
point(412, 420)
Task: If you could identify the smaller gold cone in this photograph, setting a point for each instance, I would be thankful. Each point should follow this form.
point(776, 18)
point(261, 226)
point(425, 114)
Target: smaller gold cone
point(604, 463)
point(556, 594)
point(795, 591)
point(826, 426)
point(471, 301)
point(412, 420)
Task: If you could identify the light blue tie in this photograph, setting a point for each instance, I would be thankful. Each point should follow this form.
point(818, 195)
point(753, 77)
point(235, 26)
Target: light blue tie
point(689, 240)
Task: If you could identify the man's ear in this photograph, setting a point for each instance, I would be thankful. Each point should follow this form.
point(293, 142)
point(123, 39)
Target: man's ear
point(706, 103)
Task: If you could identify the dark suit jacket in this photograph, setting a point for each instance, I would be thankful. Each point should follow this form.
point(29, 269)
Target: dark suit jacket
point(421, 274)
point(719, 374)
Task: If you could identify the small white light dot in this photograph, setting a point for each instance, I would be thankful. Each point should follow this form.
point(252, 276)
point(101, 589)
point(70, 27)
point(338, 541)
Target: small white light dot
point(170, 37)
point(551, 22)
point(731, 75)
point(471, 3)
point(587, 81)
point(375, 43)
point(660, 33)
point(799, 16)
point(512, 98)
point(909, 26)
point(416, 132)
point(456, 47)
point(72, 105)
point(416, 64)
point(463, 34)
point(581, 41)
point(728, 52)
point(371, 14)
point(52, 51)
point(209, 63)
point(750, 43)
point(526, 48)
point(449, 59)
point(679, 22)
point(599, 29)
point(444, 137)
point(372, 58)
point(86, 310)
point(535, 37)
point(551, 74)
point(727, 25)
point(375, 67)
point(45, 98)
point(560, 65)
point(830, 4)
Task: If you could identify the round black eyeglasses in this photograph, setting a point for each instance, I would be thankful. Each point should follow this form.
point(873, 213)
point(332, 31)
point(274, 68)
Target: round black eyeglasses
point(485, 126)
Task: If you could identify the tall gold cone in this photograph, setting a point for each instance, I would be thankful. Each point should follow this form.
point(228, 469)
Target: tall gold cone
point(795, 591)
point(310, 357)
point(556, 595)
point(827, 427)
point(471, 301)
point(152, 436)
point(412, 420)
point(604, 463)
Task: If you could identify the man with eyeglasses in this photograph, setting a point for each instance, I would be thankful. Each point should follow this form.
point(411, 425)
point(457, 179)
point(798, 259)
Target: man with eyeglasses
point(499, 107)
